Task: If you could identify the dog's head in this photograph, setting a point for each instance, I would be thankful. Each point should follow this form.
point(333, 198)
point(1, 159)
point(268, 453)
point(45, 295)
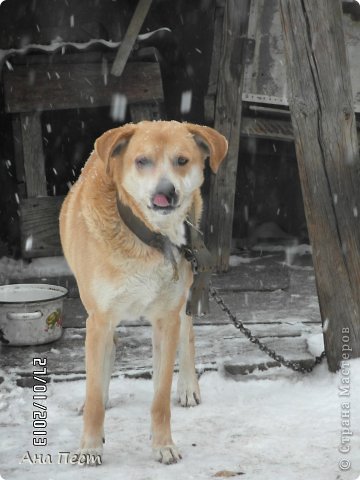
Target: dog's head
point(160, 164)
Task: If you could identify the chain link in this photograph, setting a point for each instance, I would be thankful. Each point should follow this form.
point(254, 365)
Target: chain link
point(295, 366)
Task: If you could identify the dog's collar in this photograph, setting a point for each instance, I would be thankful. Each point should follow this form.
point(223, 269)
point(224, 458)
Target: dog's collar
point(194, 251)
point(152, 239)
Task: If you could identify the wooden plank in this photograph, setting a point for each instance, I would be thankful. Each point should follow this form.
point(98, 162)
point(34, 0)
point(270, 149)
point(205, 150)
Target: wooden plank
point(39, 221)
point(83, 57)
point(130, 37)
point(257, 277)
point(33, 154)
point(258, 127)
point(66, 86)
point(214, 348)
point(227, 121)
point(327, 151)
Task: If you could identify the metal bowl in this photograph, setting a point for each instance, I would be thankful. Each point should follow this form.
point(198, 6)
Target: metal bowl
point(31, 314)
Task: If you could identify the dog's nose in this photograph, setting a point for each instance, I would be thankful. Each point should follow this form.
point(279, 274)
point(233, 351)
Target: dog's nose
point(165, 194)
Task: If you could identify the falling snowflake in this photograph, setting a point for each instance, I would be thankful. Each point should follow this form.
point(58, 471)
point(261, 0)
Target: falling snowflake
point(118, 107)
point(186, 99)
point(29, 243)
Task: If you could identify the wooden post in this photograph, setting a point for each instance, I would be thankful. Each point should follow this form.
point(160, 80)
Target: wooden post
point(321, 104)
point(227, 121)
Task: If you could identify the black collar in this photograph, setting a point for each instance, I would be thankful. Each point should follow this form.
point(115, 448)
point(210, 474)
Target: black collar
point(152, 239)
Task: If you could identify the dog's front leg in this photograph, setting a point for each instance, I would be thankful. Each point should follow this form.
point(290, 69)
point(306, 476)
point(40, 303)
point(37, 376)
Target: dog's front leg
point(99, 347)
point(188, 391)
point(165, 339)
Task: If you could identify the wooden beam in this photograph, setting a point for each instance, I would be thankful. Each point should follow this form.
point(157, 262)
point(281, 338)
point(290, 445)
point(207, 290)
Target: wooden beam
point(227, 121)
point(131, 35)
point(321, 105)
point(83, 85)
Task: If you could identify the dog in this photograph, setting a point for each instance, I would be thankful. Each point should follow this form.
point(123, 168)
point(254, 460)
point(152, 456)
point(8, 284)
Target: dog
point(155, 170)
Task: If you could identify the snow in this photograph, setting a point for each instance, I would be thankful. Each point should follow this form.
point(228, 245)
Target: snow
point(58, 44)
point(281, 427)
point(118, 107)
point(236, 260)
point(146, 36)
point(186, 99)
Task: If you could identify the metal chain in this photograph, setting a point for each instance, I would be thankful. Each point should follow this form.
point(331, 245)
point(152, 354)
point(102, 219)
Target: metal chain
point(264, 348)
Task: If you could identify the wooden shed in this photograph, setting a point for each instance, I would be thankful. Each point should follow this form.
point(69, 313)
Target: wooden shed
point(77, 76)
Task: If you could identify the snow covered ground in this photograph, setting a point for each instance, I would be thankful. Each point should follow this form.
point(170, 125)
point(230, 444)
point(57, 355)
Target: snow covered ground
point(283, 427)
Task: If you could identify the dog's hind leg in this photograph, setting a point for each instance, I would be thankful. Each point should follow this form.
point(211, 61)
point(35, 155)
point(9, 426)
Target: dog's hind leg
point(188, 391)
point(99, 348)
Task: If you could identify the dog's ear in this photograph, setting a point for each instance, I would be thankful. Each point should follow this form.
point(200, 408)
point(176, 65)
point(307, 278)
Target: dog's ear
point(112, 142)
point(212, 142)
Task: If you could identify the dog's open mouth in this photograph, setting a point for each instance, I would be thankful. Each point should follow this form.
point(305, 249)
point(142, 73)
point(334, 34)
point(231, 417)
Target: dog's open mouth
point(163, 203)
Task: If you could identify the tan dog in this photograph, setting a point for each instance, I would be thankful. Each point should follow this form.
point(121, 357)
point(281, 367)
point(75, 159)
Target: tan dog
point(155, 168)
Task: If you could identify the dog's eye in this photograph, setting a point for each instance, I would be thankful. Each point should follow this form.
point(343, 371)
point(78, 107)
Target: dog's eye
point(143, 162)
point(181, 161)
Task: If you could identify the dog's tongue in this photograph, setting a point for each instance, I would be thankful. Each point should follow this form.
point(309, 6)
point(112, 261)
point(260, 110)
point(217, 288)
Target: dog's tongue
point(160, 200)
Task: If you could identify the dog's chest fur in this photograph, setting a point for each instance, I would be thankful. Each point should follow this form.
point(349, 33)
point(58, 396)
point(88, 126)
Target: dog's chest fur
point(145, 290)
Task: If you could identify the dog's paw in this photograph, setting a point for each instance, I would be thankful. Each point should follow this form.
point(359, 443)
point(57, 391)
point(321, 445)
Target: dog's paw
point(188, 394)
point(90, 452)
point(167, 454)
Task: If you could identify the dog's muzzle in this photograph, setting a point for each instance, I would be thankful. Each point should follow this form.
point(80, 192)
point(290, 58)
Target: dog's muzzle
point(165, 198)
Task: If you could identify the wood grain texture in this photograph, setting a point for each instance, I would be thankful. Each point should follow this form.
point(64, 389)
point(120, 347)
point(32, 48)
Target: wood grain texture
point(227, 121)
point(33, 154)
point(324, 125)
point(83, 85)
point(39, 221)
